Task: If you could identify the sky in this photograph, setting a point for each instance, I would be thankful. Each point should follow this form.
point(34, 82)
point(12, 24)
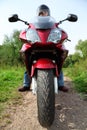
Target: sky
point(26, 10)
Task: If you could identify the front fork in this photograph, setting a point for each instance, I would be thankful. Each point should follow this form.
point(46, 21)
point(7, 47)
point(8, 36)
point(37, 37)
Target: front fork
point(56, 85)
point(34, 85)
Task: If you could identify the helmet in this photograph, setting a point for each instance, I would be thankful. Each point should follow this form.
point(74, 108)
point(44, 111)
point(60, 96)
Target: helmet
point(42, 8)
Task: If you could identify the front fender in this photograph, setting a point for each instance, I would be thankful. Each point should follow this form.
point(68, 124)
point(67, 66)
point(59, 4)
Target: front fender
point(44, 63)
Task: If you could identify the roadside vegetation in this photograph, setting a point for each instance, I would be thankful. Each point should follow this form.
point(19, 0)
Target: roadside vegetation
point(76, 67)
point(10, 79)
point(12, 68)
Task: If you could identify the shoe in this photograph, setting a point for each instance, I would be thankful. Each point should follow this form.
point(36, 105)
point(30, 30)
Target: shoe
point(23, 89)
point(63, 88)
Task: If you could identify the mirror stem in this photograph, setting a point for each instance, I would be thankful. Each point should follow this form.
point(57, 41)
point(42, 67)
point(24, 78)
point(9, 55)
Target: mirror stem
point(60, 22)
point(24, 21)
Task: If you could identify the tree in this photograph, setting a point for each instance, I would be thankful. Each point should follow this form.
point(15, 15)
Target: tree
point(72, 59)
point(82, 48)
point(9, 51)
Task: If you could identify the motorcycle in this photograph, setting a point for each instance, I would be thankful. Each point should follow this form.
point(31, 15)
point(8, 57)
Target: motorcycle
point(44, 55)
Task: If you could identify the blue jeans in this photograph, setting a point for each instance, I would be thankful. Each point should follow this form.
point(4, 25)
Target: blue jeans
point(27, 80)
point(61, 80)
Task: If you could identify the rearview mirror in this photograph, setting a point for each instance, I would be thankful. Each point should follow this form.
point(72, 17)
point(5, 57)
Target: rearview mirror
point(13, 18)
point(72, 18)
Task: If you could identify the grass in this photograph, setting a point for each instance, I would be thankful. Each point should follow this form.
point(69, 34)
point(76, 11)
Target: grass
point(10, 79)
point(78, 74)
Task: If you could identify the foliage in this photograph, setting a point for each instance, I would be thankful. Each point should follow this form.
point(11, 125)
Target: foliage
point(78, 73)
point(77, 66)
point(72, 59)
point(82, 48)
point(9, 50)
point(10, 79)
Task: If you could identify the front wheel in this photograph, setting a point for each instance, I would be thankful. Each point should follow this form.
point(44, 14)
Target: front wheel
point(45, 97)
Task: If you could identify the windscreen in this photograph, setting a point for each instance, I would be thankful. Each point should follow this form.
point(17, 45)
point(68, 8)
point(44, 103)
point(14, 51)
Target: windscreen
point(43, 22)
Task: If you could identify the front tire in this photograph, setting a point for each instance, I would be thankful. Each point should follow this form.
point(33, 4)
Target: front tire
point(45, 97)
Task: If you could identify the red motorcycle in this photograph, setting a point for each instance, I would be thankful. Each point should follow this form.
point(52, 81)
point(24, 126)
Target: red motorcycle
point(44, 55)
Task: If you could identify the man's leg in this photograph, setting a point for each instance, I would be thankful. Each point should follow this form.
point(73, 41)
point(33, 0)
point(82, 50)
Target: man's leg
point(61, 83)
point(61, 79)
point(26, 83)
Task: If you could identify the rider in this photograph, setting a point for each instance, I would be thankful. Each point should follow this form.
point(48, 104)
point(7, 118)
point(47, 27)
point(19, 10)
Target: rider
point(43, 10)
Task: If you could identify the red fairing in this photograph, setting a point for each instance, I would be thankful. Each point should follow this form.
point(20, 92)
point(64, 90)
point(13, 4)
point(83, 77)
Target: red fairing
point(44, 64)
point(64, 35)
point(25, 47)
point(22, 36)
point(43, 36)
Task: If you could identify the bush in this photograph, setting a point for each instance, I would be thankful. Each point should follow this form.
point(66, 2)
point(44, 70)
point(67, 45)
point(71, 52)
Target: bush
point(78, 73)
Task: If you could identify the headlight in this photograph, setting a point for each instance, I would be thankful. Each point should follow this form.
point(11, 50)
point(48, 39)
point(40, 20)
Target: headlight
point(32, 36)
point(55, 36)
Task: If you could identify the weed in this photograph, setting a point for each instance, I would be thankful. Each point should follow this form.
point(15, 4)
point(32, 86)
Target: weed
point(10, 79)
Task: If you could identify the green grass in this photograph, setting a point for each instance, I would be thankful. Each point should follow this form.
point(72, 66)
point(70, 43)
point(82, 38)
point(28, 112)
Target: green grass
point(78, 74)
point(10, 79)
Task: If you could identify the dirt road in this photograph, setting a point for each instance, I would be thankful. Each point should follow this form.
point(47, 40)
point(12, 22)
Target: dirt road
point(71, 112)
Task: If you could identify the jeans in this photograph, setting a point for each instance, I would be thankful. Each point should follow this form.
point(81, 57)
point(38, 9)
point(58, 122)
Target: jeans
point(61, 80)
point(27, 80)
